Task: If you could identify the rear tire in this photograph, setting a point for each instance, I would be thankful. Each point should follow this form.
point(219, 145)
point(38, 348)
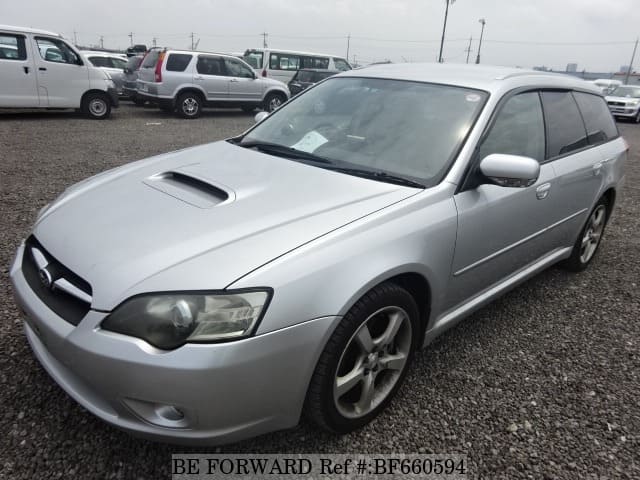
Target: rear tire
point(589, 239)
point(365, 360)
point(189, 105)
point(96, 106)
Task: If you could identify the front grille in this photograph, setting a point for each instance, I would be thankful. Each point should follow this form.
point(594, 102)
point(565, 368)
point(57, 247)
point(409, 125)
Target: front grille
point(67, 306)
point(617, 104)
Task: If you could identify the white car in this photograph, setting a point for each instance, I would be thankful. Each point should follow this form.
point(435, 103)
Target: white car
point(624, 102)
point(112, 63)
point(39, 69)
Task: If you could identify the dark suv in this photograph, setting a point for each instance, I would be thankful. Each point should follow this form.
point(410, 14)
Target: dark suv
point(130, 78)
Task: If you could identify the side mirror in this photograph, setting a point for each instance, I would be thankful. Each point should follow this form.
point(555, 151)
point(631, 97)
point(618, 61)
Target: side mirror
point(260, 116)
point(510, 170)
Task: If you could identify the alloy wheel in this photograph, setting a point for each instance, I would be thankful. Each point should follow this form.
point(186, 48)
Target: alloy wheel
point(593, 233)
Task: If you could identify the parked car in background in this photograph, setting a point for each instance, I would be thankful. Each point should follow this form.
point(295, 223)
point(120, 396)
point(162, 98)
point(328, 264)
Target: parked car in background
point(185, 82)
point(136, 50)
point(130, 79)
point(39, 69)
point(607, 85)
point(283, 64)
point(112, 63)
point(225, 289)
point(624, 102)
point(306, 77)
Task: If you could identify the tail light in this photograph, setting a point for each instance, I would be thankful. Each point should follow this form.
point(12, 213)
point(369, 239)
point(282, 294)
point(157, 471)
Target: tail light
point(264, 72)
point(159, 67)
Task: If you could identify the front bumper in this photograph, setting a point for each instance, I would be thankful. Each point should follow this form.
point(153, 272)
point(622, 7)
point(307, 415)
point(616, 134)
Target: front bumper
point(226, 391)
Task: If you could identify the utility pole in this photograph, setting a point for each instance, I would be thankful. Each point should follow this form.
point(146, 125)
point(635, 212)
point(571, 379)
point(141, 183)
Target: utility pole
point(75, 37)
point(444, 27)
point(101, 42)
point(155, 41)
point(633, 57)
point(264, 39)
point(348, 45)
point(192, 41)
point(469, 48)
point(482, 21)
point(131, 38)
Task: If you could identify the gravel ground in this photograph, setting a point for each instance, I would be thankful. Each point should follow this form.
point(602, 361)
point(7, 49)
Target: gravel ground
point(543, 383)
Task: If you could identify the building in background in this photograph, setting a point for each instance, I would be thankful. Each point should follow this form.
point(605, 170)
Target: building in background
point(572, 67)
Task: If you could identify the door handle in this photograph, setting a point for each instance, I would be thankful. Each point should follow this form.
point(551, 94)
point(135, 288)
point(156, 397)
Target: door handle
point(198, 77)
point(42, 69)
point(542, 191)
point(234, 80)
point(26, 70)
point(597, 168)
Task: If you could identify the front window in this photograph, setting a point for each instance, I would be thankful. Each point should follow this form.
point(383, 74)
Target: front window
point(253, 58)
point(404, 129)
point(54, 50)
point(341, 64)
point(626, 91)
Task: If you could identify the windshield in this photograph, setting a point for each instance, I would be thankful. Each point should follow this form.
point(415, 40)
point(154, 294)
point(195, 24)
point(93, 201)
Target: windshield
point(134, 62)
point(403, 128)
point(626, 91)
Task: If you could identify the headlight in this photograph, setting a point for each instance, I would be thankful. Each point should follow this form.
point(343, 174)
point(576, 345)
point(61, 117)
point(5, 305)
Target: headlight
point(634, 103)
point(168, 321)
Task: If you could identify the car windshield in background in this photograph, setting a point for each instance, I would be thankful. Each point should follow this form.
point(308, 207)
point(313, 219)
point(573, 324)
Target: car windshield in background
point(626, 91)
point(134, 62)
point(406, 129)
point(151, 59)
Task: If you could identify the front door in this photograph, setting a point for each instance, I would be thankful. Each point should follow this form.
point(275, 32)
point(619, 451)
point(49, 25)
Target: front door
point(17, 75)
point(503, 229)
point(62, 75)
point(243, 84)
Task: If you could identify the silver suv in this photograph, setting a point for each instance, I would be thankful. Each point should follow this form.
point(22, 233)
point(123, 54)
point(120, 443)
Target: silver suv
point(185, 82)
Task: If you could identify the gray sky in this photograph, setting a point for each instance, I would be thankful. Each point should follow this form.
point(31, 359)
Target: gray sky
point(596, 34)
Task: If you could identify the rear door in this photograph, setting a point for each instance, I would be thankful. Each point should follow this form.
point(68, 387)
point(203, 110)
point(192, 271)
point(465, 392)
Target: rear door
point(502, 229)
point(19, 87)
point(62, 75)
point(210, 75)
point(243, 84)
point(579, 128)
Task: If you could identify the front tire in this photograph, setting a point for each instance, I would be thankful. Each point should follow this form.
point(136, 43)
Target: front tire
point(636, 119)
point(189, 105)
point(273, 101)
point(96, 106)
point(589, 239)
point(365, 360)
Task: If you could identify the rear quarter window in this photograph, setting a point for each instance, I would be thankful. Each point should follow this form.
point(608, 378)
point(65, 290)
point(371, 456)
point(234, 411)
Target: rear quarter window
point(12, 47)
point(177, 62)
point(600, 124)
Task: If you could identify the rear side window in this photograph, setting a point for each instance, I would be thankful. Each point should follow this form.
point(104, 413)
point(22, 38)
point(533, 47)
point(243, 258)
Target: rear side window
point(151, 59)
point(597, 118)
point(209, 65)
point(100, 62)
point(518, 129)
point(565, 128)
point(12, 47)
point(279, 61)
point(177, 62)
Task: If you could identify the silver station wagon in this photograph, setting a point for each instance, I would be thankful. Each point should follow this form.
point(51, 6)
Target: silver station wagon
point(220, 292)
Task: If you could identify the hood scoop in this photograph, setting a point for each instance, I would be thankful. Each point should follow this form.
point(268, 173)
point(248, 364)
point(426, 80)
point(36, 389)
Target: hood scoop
point(191, 188)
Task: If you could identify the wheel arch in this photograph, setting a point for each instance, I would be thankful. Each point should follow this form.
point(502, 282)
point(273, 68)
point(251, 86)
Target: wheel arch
point(188, 89)
point(610, 196)
point(96, 91)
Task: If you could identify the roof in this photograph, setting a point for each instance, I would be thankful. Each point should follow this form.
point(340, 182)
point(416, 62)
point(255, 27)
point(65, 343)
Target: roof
point(97, 53)
point(13, 28)
point(294, 52)
point(319, 70)
point(483, 77)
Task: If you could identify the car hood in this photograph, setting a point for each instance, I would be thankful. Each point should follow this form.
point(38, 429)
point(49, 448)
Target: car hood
point(198, 218)
point(622, 99)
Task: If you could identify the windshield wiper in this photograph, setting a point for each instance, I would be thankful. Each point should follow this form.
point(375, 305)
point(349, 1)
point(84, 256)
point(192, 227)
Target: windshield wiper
point(284, 151)
point(378, 175)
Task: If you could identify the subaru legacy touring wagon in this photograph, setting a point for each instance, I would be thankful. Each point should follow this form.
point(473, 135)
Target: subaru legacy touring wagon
point(222, 291)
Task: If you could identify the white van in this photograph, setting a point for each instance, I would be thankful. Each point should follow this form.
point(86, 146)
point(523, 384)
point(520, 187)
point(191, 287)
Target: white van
point(39, 69)
point(283, 64)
